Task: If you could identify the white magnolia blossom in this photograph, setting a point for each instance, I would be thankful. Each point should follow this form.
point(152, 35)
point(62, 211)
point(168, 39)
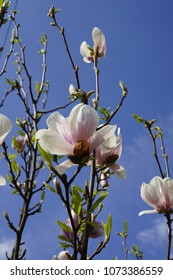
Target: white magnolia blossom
point(158, 194)
point(109, 152)
point(99, 48)
point(5, 127)
point(74, 136)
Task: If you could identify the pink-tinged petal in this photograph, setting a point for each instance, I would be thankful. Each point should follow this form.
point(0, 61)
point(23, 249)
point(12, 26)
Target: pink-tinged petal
point(55, 120)
point(150, 194)
point(85, 52)
point(83, 121)
point(148, 212)
point(5, 127)
point(53, 142)
point(99, 41)
point(100, 136)
point(64, 166)
point(119, 171)
point(169, 183)
point(2, 181)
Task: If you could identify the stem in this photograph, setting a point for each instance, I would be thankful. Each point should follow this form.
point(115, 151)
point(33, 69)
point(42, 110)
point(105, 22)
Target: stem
point(169, 222)
point(97, 82)
point(90, 200)
point(114, 112)
point(62, 31)
point(165, 156)
point(155, 152)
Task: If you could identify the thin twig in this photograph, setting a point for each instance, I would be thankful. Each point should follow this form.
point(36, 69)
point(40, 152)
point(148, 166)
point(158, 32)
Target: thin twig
point(62, 32)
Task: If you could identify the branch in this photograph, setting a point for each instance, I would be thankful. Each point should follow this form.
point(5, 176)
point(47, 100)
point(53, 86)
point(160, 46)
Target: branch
point(62, 32)
point(114, 112)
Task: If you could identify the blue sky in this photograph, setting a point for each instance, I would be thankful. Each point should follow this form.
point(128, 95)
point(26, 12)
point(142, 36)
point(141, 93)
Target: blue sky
point(139, 52)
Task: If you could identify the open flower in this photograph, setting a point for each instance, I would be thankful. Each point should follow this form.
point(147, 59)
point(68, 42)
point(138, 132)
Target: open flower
point(158, 194)
point(99, 49)
point(75, 136)
point(5, 127)
point(109, 152)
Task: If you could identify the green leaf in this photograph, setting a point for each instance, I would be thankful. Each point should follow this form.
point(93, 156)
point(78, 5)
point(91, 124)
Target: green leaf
point(47, 156)
point(15, 192)
point(8, 81)
point(42, 196)
point(37, 87)
point(125, 226)
point(12, 156)
point(76, 201)
point(98, 201)
point(138, 119)
point(15, 167)
point(64, 226)
point(1, 3)
point(21, 133)
point(50, 188)
point(9, 178)
point(108, 227)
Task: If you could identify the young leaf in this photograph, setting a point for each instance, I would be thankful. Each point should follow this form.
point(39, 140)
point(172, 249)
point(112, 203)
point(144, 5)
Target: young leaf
point(76, 201)
point(138, 118)
point(47, 157)
point(15, 167)
point(50, 188)
point(37, 87)
point(42, 196)
point(108, 227)
point(64, 226)
point(98, 201)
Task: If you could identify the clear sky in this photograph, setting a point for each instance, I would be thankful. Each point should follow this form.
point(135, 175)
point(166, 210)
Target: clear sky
point(139, 42)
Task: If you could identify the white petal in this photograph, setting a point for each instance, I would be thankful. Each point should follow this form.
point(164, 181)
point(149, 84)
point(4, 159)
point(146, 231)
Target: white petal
point(62, 167)
point(2, 181)
point(119, 171)
point(99, 40)
point(151, 195)
point(83, 121)
point(101, 135)
point(5, 127)
point(169, 184)
point(148, 212)
point(85, 52)
point(53, 142)
point(54, 120)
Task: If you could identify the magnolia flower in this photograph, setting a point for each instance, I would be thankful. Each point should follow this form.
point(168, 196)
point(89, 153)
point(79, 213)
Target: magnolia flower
point(19, 143)
point(99, 49)
point(97, 230)
point(158, 194)
point(5, 127)
point(75, 136)
point(68, 235)
point(109, 152)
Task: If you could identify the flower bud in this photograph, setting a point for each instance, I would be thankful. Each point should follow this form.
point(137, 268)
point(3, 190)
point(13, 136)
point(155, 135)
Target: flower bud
point(97, 230)
point(19, 142)
point(63, 255)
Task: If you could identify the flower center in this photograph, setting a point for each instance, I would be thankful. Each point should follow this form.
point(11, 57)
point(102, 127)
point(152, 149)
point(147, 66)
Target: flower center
point(81, 151)
point(81, 148)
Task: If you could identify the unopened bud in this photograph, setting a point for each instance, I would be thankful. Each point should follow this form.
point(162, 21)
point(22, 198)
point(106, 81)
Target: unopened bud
point(57, 187)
